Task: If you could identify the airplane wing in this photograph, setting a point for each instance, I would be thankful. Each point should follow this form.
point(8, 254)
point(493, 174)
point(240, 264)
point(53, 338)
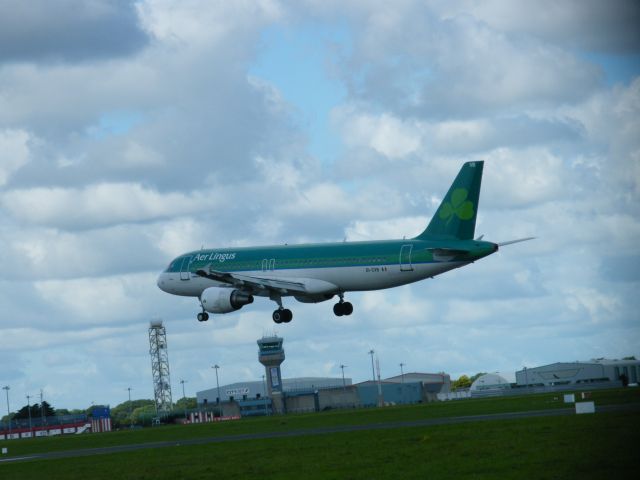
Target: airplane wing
point(256, 285)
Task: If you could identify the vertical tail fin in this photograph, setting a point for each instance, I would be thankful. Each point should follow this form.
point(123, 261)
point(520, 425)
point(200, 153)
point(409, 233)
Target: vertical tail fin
point(456, 215)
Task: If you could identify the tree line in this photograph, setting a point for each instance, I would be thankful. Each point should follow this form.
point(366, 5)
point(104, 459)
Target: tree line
point(126, 414)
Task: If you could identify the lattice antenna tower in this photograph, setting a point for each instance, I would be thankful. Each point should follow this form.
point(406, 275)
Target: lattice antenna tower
point(160, 366)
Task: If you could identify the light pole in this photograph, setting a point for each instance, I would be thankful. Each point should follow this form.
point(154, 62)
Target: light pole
point(402, 372)
point(42, 407)
point(184, 397)
point(7, 388)
point(216, 366)
point(264, 395)
point(29, 410)
point(373, 371)
point(130, 411)
point(344, 387)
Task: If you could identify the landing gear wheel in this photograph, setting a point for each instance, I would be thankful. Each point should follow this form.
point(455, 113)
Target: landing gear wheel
point(342, 308)
point(203, 316)
point(282, 315)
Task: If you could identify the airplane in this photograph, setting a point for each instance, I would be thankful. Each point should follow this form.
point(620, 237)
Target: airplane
point(226, 279)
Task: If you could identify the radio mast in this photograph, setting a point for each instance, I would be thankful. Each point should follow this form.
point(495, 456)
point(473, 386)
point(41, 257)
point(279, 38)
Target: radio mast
point(160, 367)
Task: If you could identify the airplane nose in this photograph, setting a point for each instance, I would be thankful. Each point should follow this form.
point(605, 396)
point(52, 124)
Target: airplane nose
point(160, 282)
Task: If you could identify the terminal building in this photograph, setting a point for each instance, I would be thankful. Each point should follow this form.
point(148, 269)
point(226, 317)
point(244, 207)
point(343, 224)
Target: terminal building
point(314, 394)
point(240, 391)
point(305, 394)
point(275, 394)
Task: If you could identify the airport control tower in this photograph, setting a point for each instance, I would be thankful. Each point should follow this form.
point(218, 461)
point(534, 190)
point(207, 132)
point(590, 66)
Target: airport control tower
point(271, 355)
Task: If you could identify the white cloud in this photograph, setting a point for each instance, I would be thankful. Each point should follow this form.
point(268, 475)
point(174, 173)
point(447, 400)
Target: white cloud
point(107, 300)
point(364, 230)
point(136, 155)
point(384, 133)
point(195, 22)
point(14, 152)
point(516, 178)
point(589, 25)
point(99, 205)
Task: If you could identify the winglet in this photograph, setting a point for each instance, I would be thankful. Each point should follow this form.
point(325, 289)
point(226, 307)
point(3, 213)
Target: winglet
point(456, 215)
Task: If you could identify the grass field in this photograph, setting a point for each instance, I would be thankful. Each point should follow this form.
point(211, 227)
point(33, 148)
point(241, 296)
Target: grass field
point(586, 446)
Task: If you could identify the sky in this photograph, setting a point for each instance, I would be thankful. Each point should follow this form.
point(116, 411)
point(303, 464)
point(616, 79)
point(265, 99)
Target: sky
point(132, 132)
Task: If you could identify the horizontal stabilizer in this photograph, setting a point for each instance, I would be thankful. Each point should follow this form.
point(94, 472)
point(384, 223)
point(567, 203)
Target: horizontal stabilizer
point(502, 244)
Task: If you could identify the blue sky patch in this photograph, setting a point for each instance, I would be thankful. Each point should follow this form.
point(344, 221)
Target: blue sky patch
point(296, 61)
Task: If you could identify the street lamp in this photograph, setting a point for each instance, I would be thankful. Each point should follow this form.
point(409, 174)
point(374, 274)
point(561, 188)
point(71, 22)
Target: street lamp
point(184, 397)
point(344, 387)
point(264, 395)
point(8, 410)
point(402, 372)
point(130, 411)
point(29, 410)
point(216, 366)
point(42, 407)
point(373, 371)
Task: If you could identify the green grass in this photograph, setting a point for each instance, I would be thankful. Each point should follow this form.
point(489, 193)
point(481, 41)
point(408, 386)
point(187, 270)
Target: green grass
point(585, 446)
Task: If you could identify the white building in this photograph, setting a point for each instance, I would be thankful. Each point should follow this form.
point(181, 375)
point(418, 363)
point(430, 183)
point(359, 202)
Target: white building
point(493, 381)
point(593, 371)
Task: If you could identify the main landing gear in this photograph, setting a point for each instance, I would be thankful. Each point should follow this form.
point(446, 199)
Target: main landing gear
point(342, 308)
point(203, 316)
point(282, 315)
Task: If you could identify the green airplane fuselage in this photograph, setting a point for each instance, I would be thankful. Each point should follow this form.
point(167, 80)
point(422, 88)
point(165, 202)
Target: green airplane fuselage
point(350, 266)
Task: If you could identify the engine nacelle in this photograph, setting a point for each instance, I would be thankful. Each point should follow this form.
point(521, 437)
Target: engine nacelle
point(224, 300)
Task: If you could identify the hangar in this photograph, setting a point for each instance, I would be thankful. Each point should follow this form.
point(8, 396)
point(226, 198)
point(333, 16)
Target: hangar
point(492, 384)
point(573, 373)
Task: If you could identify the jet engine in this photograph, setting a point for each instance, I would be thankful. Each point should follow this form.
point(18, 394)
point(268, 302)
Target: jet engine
point(224, 300)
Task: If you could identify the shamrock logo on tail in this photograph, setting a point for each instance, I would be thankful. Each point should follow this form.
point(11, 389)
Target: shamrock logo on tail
point(458, 206)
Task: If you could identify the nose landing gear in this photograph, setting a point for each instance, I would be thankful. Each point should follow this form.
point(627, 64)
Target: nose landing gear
point(203, 316)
